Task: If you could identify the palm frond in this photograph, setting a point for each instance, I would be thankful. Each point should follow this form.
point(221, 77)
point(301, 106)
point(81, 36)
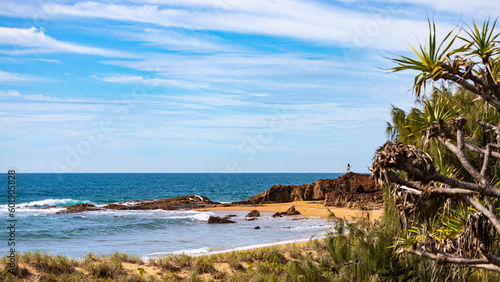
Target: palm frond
point(430, 60)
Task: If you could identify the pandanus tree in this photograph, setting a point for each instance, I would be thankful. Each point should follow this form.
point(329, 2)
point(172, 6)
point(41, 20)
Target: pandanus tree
point(449, 219)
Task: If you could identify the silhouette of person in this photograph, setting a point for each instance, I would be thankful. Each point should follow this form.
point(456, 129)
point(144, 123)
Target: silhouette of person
point(348, 168)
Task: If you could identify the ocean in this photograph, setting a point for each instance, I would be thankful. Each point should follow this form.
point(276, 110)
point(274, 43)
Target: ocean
point(147, 233)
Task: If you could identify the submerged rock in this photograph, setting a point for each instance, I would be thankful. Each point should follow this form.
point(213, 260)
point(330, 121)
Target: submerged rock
point(216, 219)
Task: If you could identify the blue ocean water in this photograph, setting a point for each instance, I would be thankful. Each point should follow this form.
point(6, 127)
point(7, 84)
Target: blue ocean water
point(147, 233)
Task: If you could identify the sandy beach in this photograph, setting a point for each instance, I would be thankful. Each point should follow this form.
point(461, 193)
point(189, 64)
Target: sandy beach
point(306, 208)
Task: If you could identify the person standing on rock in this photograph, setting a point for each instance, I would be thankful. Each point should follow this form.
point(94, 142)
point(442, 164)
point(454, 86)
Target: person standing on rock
point(348, 168)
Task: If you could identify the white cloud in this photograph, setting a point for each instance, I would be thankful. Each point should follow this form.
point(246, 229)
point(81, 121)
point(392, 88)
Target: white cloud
point(9, 93)
point(221, 66)
point(244, 73)
point(467, 8)
point(300, 19)
point(152, 82)
point(33, 40)
point(214, 100)
point(47, 60)
point(177, 41)
point(13, 77)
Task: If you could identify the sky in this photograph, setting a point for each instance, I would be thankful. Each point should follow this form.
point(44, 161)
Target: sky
point(207, 85)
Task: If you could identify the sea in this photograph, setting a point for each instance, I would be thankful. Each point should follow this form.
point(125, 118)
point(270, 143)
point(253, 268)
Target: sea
point(147, 234)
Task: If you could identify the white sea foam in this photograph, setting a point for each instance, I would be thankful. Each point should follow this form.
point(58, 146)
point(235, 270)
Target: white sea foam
point(34, 207)
point(51, 202)
point(318, 226)
point(158, 214)
point(193, 252)
point(211, 250)
point(202, 216)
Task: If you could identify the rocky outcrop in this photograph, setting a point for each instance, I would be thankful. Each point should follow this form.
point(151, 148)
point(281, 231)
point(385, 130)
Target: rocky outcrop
point(216, 219)
point(254, 213)
point(340, 192)
point(176, 203)
point(349, 190)
point(78, 208)
point(289, 211)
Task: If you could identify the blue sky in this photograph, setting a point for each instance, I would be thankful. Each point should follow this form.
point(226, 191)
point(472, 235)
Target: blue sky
point(206, 86)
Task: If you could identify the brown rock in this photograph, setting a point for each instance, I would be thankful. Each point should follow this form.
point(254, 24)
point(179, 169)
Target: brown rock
point(277, 214)
point(351, 187)
point(216, 219)
point(79, 208)
point(254, 213)
point(275, 194)
point(299, 193)
point(176, 203)
point(292, 211)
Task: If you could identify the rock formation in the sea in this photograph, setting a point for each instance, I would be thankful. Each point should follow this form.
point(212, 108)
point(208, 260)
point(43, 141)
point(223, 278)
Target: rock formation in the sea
point(253, 213)
point(216, 219)
point(79, 208)
point(350, 189)
point(176, 203)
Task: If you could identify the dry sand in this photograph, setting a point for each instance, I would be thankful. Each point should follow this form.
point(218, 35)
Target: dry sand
point(306, 208)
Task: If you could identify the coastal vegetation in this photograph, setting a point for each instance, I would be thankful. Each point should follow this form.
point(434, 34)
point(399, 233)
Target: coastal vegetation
point(367, 253)
point(441, 164)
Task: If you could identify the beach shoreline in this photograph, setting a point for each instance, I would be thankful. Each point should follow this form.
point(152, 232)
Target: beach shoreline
point(236, 262)
point(306, 208)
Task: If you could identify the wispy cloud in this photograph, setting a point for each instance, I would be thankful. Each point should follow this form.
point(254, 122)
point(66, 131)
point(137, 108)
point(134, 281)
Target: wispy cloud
point(152, 81)
point(235, 68)
point(9, 93)
point(14, 77)
point(465, 7)
point(218, 100)
point(181, 41)
point(33, 40)
point(307, 20)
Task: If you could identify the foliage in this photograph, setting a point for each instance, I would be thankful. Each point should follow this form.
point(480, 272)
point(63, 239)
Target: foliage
point(442, 160)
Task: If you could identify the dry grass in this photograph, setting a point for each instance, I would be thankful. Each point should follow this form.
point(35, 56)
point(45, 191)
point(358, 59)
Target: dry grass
point(266, 264)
